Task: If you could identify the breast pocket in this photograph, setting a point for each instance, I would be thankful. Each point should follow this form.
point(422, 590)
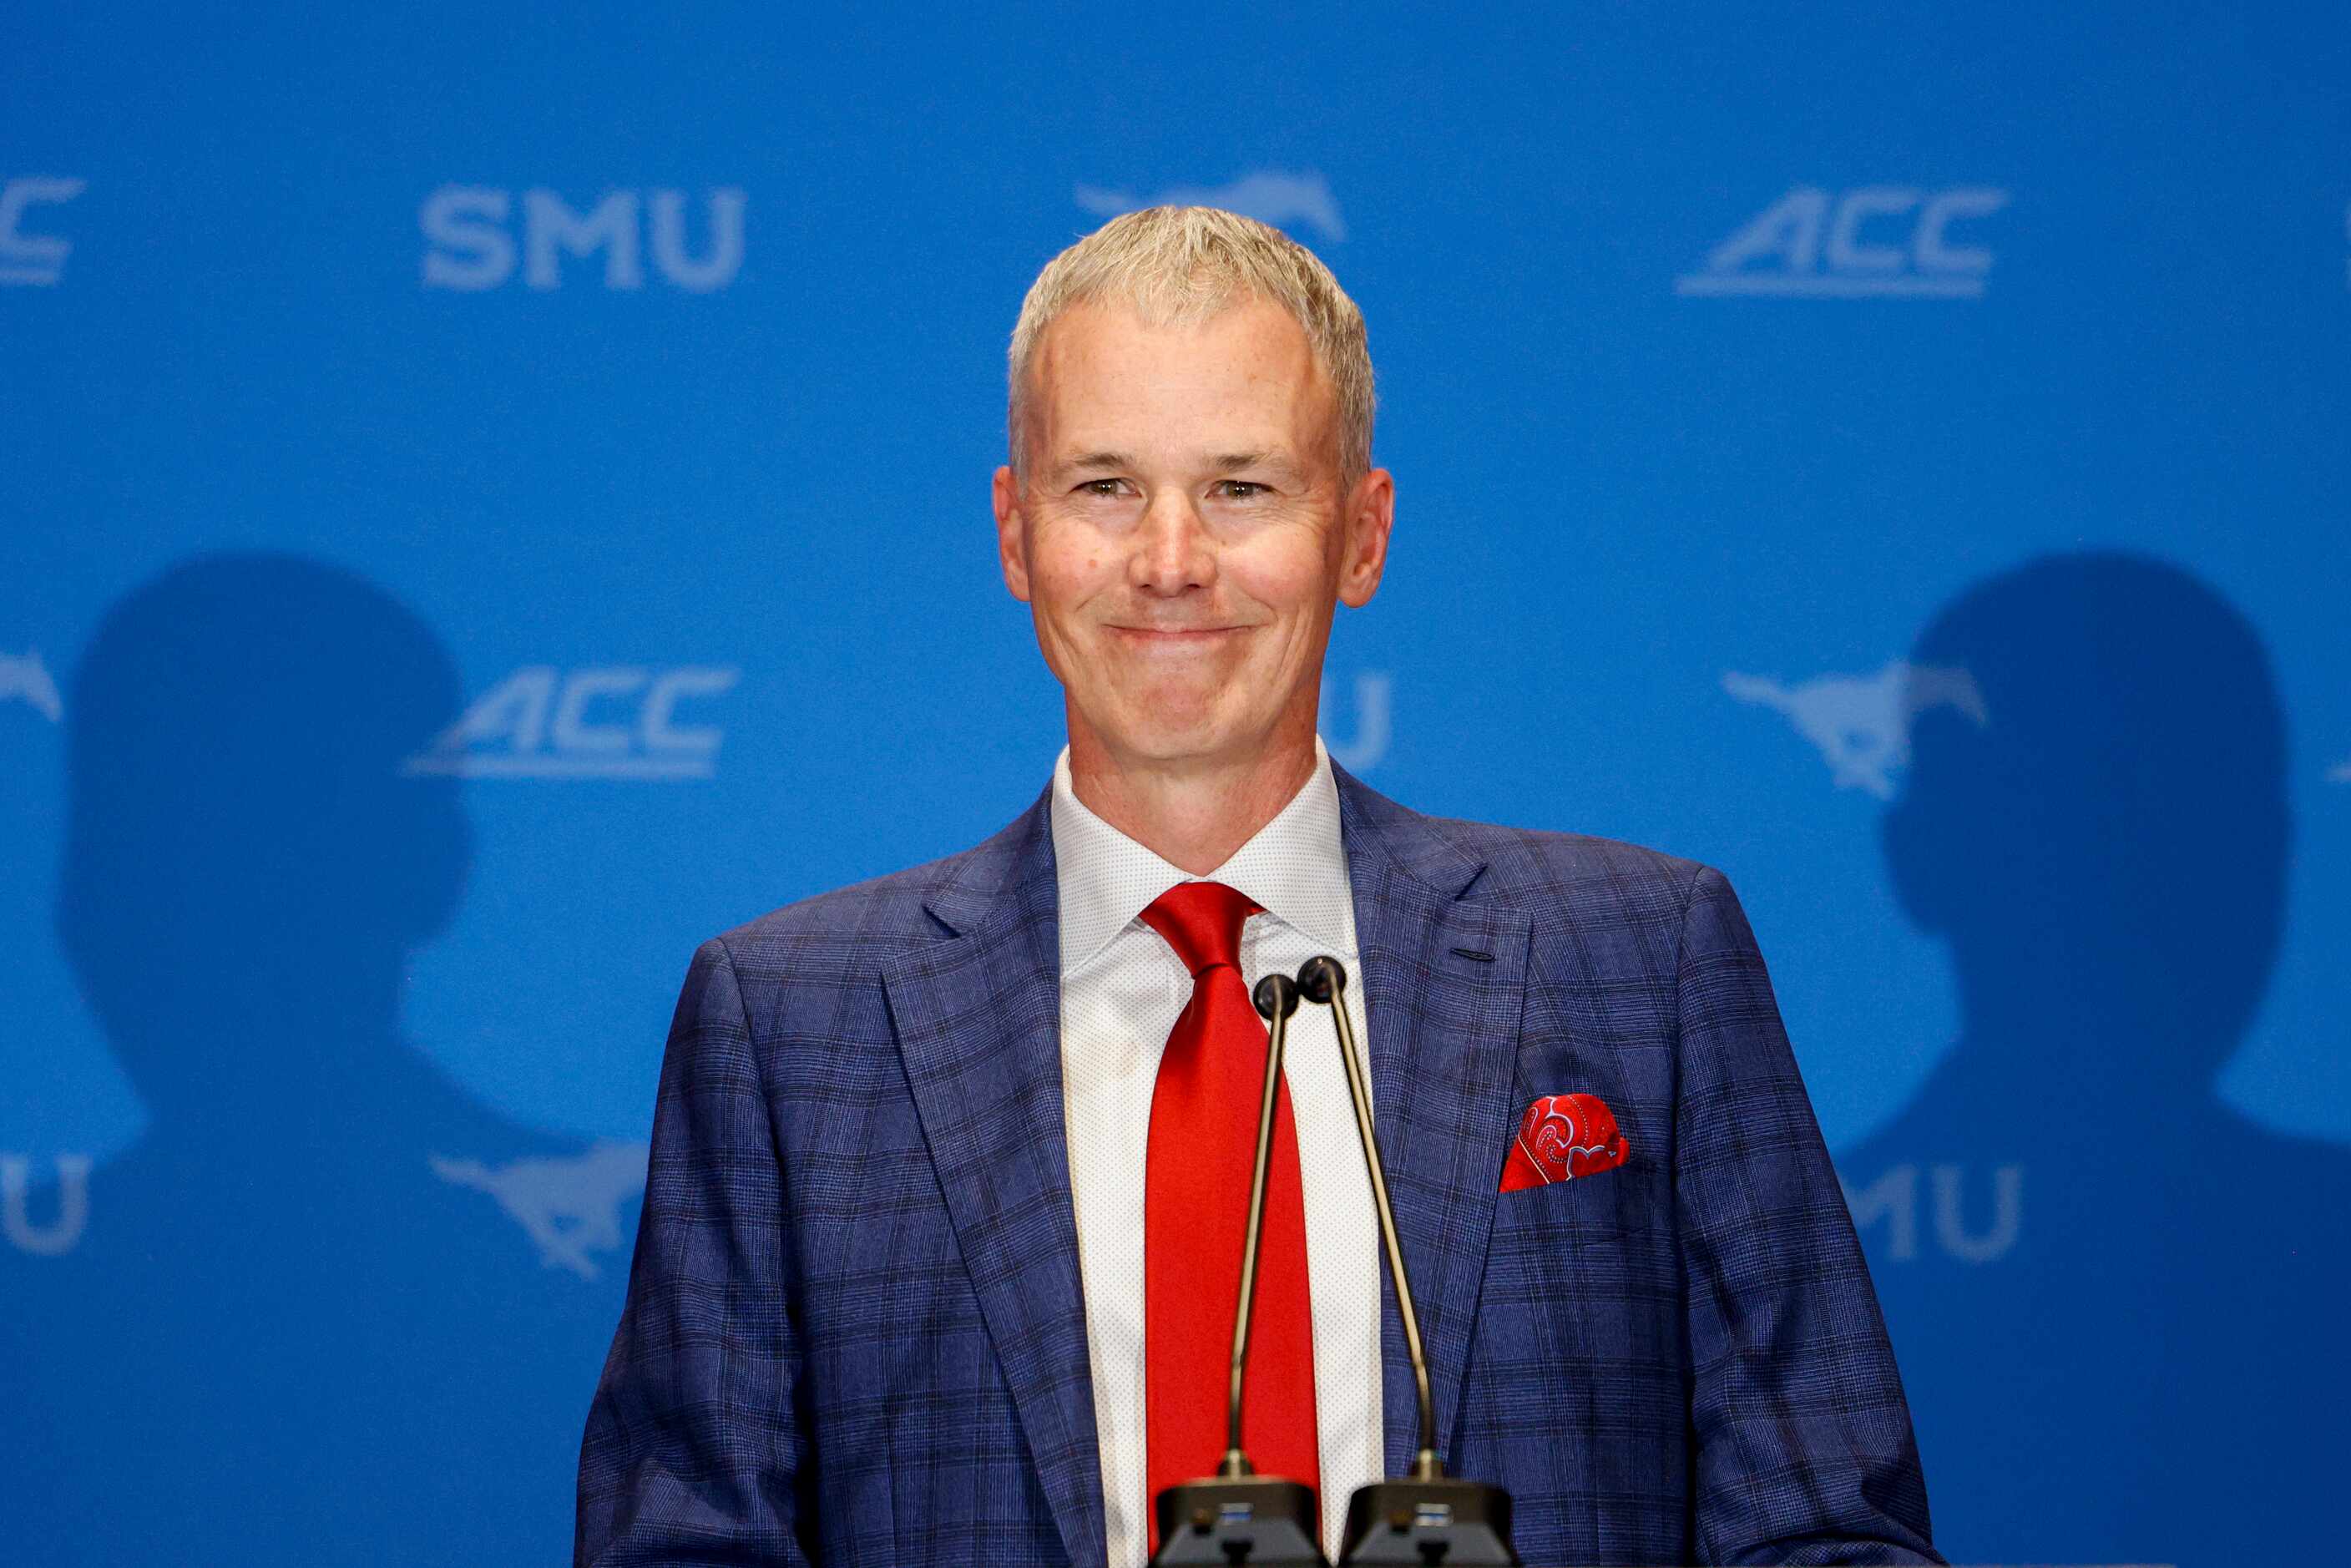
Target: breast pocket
point(1577, 1236)
point(1619, 1199)
point(1571, 1267)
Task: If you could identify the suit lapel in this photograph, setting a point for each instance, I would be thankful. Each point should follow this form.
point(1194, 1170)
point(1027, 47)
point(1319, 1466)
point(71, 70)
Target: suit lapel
point(1444, 981)
point(978, 1021)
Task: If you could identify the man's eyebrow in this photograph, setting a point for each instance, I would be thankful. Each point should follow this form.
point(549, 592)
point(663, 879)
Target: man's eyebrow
point(1224, 463)
point(1098, 460)
point(1271, 457)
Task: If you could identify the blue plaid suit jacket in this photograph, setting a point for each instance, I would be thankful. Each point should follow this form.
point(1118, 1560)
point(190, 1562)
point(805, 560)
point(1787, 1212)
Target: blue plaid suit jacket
point(854, 1332)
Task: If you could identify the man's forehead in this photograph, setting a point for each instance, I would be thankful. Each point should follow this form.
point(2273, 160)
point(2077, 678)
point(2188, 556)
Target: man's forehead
point(1080, 457)
point(1095, 334)
point(1099, 413)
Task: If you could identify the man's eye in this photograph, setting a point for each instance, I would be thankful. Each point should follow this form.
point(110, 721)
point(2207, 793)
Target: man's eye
point(1099, 487)
point(1241, 489)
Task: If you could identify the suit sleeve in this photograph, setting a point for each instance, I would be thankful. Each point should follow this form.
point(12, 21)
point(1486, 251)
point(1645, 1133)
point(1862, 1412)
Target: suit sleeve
point(1802, 1441)
point(692, 1452)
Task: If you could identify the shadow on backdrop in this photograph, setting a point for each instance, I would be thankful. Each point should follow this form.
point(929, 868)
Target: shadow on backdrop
point(329, 1308)
point(2114, 1298)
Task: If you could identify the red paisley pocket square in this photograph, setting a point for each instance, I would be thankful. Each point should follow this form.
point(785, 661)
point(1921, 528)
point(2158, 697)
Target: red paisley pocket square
point(1561, 1137)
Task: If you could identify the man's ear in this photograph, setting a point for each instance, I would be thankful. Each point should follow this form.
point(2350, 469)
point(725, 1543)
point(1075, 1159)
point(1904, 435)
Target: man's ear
point(1012, 534)
point(1371, 513)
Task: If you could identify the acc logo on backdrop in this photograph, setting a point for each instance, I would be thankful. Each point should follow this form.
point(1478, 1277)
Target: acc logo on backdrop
point(1861, 724)
point(28, 680)
point(471, 238)
point(1874, 242)
point(1267, 196)
point(571, 1207)
point(38, 259)
point(608, 722)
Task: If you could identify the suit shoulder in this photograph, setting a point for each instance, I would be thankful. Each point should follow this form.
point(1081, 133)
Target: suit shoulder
point(792, 964)
point(883, 913)
point(1536, 865)
point(1580, 881)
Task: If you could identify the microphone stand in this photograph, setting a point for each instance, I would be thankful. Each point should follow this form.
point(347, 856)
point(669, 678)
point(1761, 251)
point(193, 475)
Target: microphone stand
point(1427, 1517)
point(1237, 1515)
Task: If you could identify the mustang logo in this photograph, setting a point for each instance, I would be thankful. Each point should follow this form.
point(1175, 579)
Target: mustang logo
point(1267, 196)
point(1861, 724)
point(571, 1207)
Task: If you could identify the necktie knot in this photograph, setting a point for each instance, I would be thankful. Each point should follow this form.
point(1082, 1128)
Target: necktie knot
point(1202, 921)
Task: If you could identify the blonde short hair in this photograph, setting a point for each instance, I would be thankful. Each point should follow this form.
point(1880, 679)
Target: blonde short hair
point(1183, 265)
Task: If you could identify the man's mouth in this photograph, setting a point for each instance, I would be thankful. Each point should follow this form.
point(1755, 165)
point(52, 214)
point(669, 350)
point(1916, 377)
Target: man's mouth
point(1174, 636)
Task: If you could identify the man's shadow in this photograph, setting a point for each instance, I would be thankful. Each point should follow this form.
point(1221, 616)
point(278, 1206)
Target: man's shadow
point(306, 1319)
point(2115, 1301)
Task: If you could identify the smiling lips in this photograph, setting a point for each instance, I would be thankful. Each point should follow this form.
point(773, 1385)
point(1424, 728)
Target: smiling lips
point(1176, 636)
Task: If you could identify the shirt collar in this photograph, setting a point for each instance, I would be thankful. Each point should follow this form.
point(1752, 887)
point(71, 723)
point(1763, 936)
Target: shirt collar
point(1294, 866)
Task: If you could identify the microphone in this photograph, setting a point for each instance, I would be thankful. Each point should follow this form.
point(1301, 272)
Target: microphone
point(1238, 1515)
point(1427, 1517)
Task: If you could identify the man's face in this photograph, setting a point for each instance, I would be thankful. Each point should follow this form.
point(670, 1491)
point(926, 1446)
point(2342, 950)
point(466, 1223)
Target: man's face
point(1181, 533)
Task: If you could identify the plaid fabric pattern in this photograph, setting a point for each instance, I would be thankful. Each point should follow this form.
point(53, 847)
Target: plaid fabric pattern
point(854, 1332)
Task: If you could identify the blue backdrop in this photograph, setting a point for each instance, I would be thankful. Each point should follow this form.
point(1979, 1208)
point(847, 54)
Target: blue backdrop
point(494, 500)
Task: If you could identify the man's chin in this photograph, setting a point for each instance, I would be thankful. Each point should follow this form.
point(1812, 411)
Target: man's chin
point(1166, 739)
point(1201, 744)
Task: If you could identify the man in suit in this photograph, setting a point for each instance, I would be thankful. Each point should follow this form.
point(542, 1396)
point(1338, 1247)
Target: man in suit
point(941, 1233)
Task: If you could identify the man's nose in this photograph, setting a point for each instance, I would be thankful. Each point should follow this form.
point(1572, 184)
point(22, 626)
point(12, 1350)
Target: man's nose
point(1173, 550)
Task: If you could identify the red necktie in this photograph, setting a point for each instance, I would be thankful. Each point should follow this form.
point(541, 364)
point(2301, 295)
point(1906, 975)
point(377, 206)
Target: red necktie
point(1201, 1151)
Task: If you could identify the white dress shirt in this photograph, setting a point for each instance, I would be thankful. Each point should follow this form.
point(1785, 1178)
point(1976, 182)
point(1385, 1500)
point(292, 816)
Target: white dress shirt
point(1122, 989)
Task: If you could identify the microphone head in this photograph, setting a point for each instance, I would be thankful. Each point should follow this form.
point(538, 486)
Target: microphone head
point(1321, 979)
point(1276, 996)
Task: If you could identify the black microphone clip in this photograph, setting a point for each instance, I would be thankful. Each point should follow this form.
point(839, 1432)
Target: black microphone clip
point(1238, 1516)
point(1428, 1517)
